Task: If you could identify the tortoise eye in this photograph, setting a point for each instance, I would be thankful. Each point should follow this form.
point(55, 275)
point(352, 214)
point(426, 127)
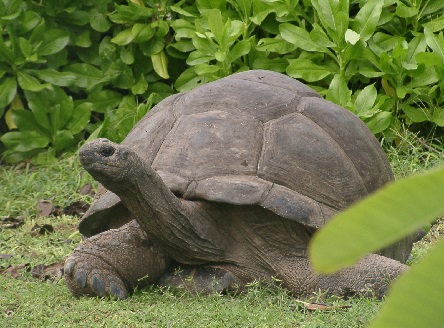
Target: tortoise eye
point(107, 151)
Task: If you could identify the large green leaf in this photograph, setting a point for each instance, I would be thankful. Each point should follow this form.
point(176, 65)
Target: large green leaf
point(62, 79)
point(300, 38)
point(104, 100)
point(25, 121)
point(379, 220)
point(309, 71)
point(8, 89)
point(338, 91)
point(217, 26)
point(87, 76)
point(416, 298)
point(436, 43)
point(367, 18)
point(22, 141)
point(28, 82)
point(379, 122)
point(80, 118)
point(160, 64)
point(53, 41)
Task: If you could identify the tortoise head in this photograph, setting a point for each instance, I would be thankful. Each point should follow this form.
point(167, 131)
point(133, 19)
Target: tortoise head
point(109, 163)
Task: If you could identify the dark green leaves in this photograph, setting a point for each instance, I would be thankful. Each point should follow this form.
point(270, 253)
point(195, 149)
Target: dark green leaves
point(53, 119)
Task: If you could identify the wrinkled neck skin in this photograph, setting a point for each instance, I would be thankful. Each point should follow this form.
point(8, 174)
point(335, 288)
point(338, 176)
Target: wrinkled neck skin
point(182, 228)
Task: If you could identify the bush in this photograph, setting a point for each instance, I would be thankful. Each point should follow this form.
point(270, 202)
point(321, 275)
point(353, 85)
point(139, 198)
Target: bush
point(110, 61)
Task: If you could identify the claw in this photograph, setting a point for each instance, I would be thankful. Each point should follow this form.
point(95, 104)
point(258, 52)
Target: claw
point(81, 278)
point(116, 291)
point(98, 286)
point(69, 267)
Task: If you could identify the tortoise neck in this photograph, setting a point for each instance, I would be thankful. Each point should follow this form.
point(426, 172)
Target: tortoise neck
point(176, 224)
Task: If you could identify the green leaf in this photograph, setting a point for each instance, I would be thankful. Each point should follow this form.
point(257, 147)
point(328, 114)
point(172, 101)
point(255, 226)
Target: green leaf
point(87, 76)
point(299, 37)
point(124, 37)
point(53, 41)
point(99, 21)
point(6, 54)
point(22, 141)
point(277, 44)
point(217, 26)
point(379, 122)
point(104, 100)
point(160, 64)
point(8, 89)
point(142, 32)
point(131, 13)
point(338, 91)
point(309, 71)
point(28, 82)
point(63, 140)
point(438, 116)
point(389, 214)
point(26, 48)
point(240, 49)
point(415, 299)
point(183, 29)
point(367, 19)
point(28, 21)
point(62, 79)
point(25, 121)
point(366, 98)
point(319, 37)
point(436, 43)
point(435, 25)
point(333, 15)
point(141, 85)
point(80, 118)
point(181, 11)
point(404, 11)
point(416, 114)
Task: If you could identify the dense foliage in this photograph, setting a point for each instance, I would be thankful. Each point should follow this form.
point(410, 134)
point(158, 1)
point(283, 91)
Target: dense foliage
point(71, 68)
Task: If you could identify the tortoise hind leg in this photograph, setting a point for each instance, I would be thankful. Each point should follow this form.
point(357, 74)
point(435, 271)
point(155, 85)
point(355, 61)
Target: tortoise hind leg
point(201, 279)
point(372, 275)
point(112, 263)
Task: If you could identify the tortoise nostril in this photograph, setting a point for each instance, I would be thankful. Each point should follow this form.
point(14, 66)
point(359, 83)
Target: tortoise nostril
point(107, 151)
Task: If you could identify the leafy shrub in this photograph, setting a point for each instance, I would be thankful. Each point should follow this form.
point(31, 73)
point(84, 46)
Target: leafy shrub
point(380, 59)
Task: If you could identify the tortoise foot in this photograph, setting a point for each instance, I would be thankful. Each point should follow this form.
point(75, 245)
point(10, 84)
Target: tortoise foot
point(114, 262)
point(88, 275)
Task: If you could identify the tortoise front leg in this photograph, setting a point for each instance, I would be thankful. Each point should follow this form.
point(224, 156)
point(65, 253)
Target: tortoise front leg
point(112, 262)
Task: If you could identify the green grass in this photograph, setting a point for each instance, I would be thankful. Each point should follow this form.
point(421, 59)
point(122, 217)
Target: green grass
point(29, 302)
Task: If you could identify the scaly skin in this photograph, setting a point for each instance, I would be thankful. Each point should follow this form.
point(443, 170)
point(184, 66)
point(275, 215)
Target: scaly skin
point(112, 263)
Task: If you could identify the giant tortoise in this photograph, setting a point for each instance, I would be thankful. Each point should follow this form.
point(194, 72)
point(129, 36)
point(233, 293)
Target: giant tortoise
point(229, 182)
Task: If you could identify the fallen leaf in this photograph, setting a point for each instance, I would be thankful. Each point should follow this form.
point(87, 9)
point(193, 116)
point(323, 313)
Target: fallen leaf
point(11, 222)
point(44, 207)
point(48, 272)
point(87, 189)
point(77, 208)
point(5, 256)
point(15, 271)
point(43, 229)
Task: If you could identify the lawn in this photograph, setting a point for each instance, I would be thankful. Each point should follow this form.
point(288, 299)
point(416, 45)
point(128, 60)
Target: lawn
point(36, 295)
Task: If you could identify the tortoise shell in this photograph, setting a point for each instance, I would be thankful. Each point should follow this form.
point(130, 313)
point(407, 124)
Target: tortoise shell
point(255, 138)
